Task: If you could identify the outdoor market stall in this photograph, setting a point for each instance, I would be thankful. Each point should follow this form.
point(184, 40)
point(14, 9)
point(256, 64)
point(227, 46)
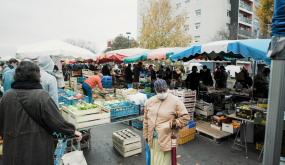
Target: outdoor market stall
point(231, 111)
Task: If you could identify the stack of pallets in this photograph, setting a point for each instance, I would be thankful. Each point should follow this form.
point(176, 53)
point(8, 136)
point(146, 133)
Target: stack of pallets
point(127, 143)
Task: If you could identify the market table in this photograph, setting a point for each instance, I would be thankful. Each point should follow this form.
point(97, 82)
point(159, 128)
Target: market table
point(243, 127)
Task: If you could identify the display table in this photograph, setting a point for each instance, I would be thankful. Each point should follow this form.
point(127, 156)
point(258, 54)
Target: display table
point(241, 128)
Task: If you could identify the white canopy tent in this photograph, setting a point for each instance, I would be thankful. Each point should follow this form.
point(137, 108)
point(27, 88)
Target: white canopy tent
point(128, 52)
point(53, 48)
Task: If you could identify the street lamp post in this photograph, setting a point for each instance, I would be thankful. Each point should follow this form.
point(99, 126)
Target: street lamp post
point(128, 34)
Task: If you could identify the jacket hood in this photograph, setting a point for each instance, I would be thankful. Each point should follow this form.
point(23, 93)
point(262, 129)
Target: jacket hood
point(46, 63)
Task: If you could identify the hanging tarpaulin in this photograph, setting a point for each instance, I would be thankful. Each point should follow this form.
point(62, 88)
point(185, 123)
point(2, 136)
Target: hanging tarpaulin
point(251, 48)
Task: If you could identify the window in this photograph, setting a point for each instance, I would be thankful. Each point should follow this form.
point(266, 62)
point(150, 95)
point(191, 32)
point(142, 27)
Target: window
point(197, 25)
point(186, 27)
point(187, 1)
point(198, 12)
point(228, 13)
point(178, 5)
point(197, 38)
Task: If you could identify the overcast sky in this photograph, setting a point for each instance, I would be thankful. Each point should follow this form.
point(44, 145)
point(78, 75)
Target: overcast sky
point(28, 21)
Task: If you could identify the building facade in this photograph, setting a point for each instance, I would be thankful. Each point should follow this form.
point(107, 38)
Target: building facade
point(244, 22)
point(210, 20)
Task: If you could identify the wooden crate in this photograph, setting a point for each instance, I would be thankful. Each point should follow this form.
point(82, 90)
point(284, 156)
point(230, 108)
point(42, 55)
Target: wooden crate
point(189, 105)
point(86, 118)
point(127, 143)
point(185, 93)
point(189, 99)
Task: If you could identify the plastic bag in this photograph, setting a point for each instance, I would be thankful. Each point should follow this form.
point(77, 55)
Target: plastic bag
point(147, 154)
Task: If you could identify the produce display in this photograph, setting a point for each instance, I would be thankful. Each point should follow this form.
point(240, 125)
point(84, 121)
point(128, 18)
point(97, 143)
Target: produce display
point(86, 106)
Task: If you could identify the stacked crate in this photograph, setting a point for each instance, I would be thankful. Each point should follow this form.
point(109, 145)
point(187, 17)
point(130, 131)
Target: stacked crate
point(127, 143)
point(188, 97)
point(187, 133)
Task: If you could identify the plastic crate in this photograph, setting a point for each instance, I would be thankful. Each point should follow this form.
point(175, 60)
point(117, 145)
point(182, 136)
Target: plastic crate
point(138, 124)
point(186, 139)
point(186, 132)
point(123, 109)
point(191, 124)
point(81, 79)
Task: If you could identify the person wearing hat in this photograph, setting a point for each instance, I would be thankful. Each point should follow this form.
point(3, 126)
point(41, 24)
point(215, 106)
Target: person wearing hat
point(164, 114)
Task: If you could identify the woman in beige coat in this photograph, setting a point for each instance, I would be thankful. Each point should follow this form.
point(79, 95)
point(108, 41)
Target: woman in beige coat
point(164, 113)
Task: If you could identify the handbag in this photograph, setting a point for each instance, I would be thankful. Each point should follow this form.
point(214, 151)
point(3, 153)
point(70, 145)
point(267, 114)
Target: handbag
point(74, 158)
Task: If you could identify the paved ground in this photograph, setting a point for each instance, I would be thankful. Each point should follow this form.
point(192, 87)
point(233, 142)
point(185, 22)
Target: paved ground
point(201, 151)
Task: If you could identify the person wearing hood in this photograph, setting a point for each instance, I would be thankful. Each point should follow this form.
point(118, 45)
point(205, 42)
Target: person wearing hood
point(8, 74)
point(48, 81)
point(59, 77)
point(164, 114)
point(28, 118)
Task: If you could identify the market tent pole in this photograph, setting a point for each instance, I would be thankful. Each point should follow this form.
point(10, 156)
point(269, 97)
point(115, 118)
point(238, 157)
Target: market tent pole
point(275, 116)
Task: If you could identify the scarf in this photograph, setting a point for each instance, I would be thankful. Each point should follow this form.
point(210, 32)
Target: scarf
point(26, 85)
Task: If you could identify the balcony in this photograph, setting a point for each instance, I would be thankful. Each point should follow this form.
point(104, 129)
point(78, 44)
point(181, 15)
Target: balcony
point(245, 20)
point(245, 6)
point(246, 33)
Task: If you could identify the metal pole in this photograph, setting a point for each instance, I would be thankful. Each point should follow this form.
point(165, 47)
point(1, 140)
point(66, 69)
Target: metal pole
point(275, 116)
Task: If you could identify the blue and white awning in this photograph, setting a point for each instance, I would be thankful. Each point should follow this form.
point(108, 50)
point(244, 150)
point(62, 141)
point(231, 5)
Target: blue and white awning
point(251, 48)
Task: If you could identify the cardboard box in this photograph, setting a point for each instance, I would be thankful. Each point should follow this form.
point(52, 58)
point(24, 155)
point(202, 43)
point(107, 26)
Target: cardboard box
point(229, 128)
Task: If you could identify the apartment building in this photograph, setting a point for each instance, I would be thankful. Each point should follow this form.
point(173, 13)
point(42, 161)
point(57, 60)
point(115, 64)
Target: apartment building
point(244, 22)
point(206, 20)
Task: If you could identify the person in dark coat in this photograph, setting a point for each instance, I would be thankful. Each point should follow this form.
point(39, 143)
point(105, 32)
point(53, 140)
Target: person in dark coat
point(151, 73)
point(261, 84)
point(129, 75)
point(106, 71)
point(206, 76)
point(224, 78)
point(28, 118)
point(243, 79)
point(137, 70)
point(193, 79)
point(168, 76)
